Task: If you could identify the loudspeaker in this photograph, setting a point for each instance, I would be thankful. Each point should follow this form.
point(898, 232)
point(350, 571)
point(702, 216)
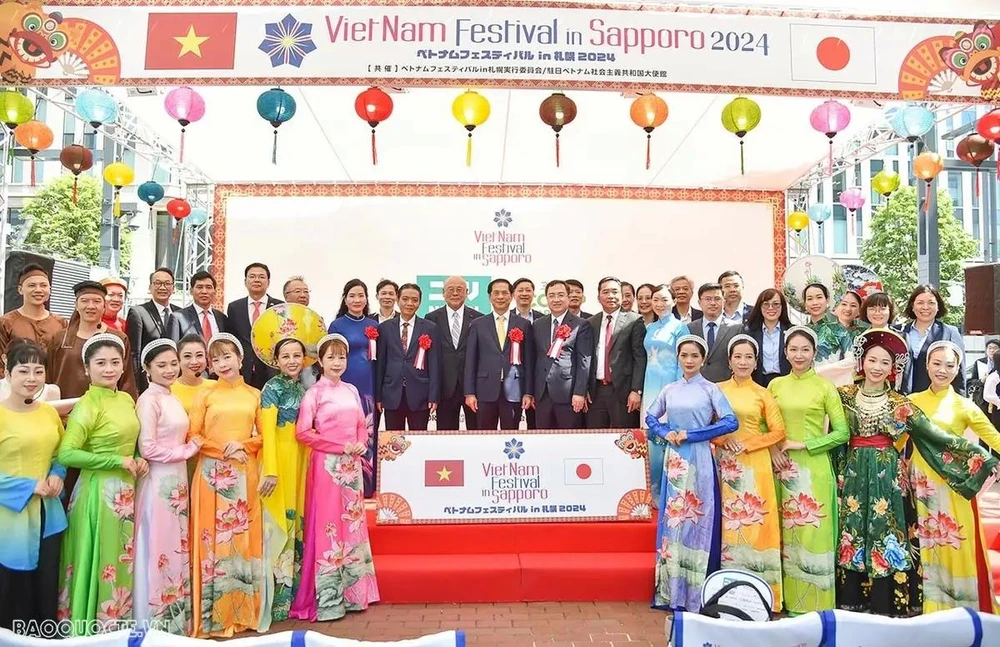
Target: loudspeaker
point(982, 299)
point(15, 263)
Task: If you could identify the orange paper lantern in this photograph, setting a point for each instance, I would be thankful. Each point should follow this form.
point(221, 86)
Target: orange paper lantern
point(649, 112)
point(34, 136)
point(927, 166)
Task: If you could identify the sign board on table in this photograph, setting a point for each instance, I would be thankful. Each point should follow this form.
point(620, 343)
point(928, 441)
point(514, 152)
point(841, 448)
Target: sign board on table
point(565, 45)
point(513, 476)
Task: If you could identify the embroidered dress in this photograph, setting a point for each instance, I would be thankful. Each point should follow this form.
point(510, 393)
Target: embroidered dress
point(162, 593)
point(834, 339)
point(751, 525)
point(282, 457)
point(98, 549)
point(226, 530)
point(952, 544)
point(808, 490)
point(688, 525)
point(338, 574)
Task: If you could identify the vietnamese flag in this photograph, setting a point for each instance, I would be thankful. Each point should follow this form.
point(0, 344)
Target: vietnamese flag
point(191, 41)
point(444, 473)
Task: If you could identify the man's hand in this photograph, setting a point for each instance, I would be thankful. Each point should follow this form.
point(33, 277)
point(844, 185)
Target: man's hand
point(527, 402)
point(579, 403)
point(634, 401)
point(472, 403)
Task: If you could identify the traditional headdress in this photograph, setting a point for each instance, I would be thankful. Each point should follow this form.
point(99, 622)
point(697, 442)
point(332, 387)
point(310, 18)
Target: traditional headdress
point(891, 341)
point(741, 338)
point(30, 271)
point(695, 339)
point(111, 280)
point(103, 337)
point(153, 345)
point(89, 286)
point(224, 336)
point(331, 337)
point(944, 343)
point(282, 322)
point(809, 332)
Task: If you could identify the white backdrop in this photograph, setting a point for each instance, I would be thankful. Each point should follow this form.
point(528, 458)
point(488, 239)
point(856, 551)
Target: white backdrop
point(332, 239)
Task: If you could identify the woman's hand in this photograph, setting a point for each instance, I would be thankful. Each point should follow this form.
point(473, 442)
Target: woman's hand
point(267, 486)
point(55, 485)
point(141, 467)
point(42, 488)
point(131, 466)
point(198, 441)
point(779, 459)
point(789, 445)
point(675, 438)
point(733, 446)
point(355, 449)
point(231, 448)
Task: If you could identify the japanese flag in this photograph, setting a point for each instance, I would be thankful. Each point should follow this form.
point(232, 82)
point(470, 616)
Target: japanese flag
point(833, 53)
point(584, 471)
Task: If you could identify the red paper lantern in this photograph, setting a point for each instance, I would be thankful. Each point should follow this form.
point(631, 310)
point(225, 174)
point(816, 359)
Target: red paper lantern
point(974, 149)
point(35, 136)
point(179, 209)
point(989, 126)
point(374, 106)
point(76, 159)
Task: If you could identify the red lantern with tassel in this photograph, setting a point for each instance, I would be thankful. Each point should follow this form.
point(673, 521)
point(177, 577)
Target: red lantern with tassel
point(989, 127)
point(76, 159)
point(374, 106)
point(179, 208)
point(975, 149)
point(34, 136)
point(555, 112)
point(649, 112)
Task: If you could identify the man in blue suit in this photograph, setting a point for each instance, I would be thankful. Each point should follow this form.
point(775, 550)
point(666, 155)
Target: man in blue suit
point(407, 386)
point(495, 387)
point(561, 382)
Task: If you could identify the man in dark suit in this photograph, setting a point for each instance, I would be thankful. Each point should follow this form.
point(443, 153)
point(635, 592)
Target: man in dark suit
point(735, 310)
point(453, 322)
point(407, 390)
point(682, 289)
point(716, 332)
point(576, 299)
point(561, 381)
point(496, 388)
point(524, 297)
point(149, 321)
point(618, 367)
point(242, 313)
point(199, 318)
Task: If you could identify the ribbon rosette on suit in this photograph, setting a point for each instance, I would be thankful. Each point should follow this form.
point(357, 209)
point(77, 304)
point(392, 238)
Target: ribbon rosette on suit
point(516, 336)
point(424, 345)
point(371, 332)
point(562, 334)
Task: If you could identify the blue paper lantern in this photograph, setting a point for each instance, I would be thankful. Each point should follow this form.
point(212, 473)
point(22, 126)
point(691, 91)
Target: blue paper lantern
point(97, 107)
point(912, 121)
point(198, 217)
point(150, 192)
point(820, 213)
point(275, 106)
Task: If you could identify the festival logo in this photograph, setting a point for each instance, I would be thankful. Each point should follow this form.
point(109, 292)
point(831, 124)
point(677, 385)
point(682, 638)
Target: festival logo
point(513, 448)
point(47, 45)
point(503, 246)
point(287, 42)
point(942, 64)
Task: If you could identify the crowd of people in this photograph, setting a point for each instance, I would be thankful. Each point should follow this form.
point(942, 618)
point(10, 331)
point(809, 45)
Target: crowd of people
point(161, 468)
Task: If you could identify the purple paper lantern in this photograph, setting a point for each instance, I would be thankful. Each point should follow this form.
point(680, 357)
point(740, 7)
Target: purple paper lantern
point(829, 118)
point(185, 106)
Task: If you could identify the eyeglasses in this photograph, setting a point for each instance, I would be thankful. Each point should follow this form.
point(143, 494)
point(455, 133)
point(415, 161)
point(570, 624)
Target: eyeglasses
point(771, 306)
point(711, 299)
point(256, 277)
point(162, 284)
point(878, 308)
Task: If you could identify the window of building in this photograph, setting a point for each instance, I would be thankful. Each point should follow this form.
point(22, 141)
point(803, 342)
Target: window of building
point(839, 217)
point(955, 192)
point(969, 116)
point(69, 129)
point(892, 150)
point(876, 166)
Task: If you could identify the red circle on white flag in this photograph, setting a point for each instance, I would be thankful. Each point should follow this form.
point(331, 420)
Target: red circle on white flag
point(583, 471)
point(833, 53)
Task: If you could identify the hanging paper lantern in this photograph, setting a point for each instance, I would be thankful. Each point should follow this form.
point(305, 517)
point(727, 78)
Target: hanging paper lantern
point(118, 175)
point(556, 111)
point(34, 136)
point(197, 218)
point(820, 213)
point(911, 122)
point(885, 182)
point(927, 166)
point(852, 198)
point(185, 106)
point(829, 118)
point(798, 220)
point(275, 106)
point(989, 126)
point(179, 208)
point(374, 106)
point(975, 149)
point(96, 107)
point(740, 116)
point(15, 109)
point(470, 109)
point(150, 192)
point(76, 159)
point(649, 112)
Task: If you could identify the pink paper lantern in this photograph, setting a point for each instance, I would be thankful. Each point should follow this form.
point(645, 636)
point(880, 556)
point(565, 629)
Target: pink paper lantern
point(853, 199)
point(829, 118)
point(186, 106)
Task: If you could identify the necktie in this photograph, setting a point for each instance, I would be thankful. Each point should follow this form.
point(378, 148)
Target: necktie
point(256, 311)
point(206, 327)
point(555, 326)
point(406, 335)
point(711, 335)
point(607, 350)
point(456, 329)
point(501, 330)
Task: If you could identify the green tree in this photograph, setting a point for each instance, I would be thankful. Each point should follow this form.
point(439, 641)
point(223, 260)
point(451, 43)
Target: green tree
point(891, 249)
point(68, 230)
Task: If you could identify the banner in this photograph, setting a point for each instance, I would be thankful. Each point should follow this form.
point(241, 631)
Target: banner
point(531, 45)
point(524, 476)
point(151, 638)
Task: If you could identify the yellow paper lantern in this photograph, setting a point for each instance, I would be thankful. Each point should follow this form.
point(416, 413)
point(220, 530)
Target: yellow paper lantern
point(885, 182)
point(15, 109)
point(740, 116)
point(470, 109)
point(118, 175)
point(649, 112)
point(798, 220)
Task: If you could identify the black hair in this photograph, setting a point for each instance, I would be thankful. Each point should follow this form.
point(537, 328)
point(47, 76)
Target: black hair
point(573, 283)
point(156, 352)
point(756, 318)
point(728, 273)
point(604, 280)
point(267, 270)
point(624, 283)
point(696, 345)
point(192, 338)
point(815, 284)
point(410, 286)
point(24, 351)
point(799, 333)
point(708, 287)
point(855, 295)
point(925, 289)
point(281, 343)
point(201, 276)
point(385, 282)
point(878, 300)
point(29, 268)
point(741, 342)
point(520, 281)
point(165, 270)
point(556, 282)
point(653, 289)
point(350, 285)
point(98, 345)
point(489, 288)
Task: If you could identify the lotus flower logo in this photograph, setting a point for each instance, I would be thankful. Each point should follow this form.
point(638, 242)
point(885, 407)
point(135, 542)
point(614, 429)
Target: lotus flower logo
point(502, 218)
point(513, 448)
